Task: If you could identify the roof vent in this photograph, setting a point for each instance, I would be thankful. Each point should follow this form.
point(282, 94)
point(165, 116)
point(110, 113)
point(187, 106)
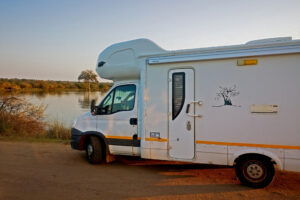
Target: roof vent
point(270, 40)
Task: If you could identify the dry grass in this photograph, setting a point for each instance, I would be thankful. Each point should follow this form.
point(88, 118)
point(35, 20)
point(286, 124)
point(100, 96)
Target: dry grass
point(20, 119)
point(57, 130)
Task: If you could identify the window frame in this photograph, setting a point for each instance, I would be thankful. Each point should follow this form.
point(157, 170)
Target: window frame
point(113, 98)
point(183, 95)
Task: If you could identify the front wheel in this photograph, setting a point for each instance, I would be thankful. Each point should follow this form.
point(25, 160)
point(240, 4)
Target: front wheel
point(94, 152)
point(255, 171)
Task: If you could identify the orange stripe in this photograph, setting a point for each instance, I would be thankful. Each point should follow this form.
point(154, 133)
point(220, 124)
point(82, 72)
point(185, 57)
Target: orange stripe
point(120, 137)
point(249, 145)
point(156, 139)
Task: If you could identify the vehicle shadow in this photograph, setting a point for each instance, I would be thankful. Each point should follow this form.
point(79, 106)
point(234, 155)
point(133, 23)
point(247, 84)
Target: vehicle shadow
point(155, 178)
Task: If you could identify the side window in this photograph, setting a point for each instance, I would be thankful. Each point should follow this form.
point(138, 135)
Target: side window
point(124, 98)
point(178, 93)
point(105, 107)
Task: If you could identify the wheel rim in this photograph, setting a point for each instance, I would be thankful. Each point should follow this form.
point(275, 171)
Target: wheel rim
point(90, 150)
point(254, 171)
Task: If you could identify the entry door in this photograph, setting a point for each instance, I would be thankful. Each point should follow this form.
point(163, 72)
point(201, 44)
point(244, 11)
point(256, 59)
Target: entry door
point(181, 109)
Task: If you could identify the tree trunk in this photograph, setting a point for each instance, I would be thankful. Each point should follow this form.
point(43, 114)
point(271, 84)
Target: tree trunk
point(227, 102)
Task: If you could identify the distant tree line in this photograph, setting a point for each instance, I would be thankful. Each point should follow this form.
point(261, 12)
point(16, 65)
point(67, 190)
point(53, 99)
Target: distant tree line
point(30, 85)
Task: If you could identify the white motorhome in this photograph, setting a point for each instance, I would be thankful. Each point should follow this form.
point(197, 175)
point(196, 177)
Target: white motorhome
point(231, 105)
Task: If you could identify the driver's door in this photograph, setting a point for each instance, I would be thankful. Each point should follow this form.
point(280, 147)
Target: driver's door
point(117, 119)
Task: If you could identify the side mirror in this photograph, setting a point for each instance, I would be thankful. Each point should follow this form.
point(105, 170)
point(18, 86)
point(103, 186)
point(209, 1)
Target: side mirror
point(93, 106)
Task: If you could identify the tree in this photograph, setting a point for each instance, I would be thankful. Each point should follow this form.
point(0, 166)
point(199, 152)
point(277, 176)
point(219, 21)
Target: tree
point(226, 94)
point(88, 76)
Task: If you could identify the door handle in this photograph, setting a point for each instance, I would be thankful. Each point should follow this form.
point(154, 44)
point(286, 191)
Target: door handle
point(200, 103)
point(187, 108)
point(133, 121)
point(194, 115)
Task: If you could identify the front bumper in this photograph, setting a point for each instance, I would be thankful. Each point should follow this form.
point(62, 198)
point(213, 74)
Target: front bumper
point(76, 138)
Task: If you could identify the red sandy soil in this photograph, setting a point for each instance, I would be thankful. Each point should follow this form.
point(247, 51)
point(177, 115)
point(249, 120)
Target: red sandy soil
point(285, 185)
point(54, 171)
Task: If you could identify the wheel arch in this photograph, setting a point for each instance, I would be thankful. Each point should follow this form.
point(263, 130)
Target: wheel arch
point(85, 139)
point(256, 152)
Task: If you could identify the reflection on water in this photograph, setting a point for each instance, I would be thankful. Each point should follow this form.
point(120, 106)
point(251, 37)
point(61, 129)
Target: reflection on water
point(64, 106)
point(85, 100)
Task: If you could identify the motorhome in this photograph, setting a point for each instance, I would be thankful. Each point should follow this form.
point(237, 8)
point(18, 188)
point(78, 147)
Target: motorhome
point(233, 105)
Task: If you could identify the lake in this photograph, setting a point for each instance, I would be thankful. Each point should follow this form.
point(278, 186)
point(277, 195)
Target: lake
point(64, 106)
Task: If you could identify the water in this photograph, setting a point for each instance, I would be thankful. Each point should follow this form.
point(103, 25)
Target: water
point(64, 106)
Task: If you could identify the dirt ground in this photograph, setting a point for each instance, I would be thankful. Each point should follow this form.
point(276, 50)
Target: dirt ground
point(55, 171)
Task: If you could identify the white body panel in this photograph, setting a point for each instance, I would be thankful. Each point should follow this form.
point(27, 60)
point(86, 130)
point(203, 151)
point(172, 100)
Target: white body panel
point(260, 115)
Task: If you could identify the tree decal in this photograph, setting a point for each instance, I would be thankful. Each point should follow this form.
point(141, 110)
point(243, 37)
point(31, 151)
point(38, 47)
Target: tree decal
point(226, 93)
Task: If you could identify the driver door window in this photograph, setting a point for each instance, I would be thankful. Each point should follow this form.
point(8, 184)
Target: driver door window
point(122, 98)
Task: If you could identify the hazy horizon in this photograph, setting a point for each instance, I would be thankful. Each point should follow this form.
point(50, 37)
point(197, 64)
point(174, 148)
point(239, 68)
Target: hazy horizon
point(56, 40)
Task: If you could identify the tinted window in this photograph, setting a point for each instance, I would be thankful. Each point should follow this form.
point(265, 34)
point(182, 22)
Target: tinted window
point(105, 107)
point(122, 98)
point(178, 93)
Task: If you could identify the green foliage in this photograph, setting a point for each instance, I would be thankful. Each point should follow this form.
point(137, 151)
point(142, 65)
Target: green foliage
point(89, 77)
point(28, 85)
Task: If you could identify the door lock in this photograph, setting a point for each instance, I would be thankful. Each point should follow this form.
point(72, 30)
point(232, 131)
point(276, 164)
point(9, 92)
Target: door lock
point(188, 125)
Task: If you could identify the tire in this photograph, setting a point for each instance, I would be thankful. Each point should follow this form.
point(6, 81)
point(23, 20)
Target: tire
point(255, 171)
point(94, 151)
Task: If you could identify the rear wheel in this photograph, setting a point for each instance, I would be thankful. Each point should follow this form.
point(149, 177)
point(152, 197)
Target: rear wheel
point(255, 171)
point(94, 151)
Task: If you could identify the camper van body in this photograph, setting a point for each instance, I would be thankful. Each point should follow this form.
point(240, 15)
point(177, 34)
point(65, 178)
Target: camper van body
point(217, 105)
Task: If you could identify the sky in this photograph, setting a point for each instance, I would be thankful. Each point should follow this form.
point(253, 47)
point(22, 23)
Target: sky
point(57, 39)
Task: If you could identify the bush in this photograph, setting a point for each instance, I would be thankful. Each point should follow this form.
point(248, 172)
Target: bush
point(25, 85)
point(18, 117)
point(57, 130)
point(22, 119)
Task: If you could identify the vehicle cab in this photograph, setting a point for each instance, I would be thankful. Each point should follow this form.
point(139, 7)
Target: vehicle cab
point(113, 122)
point(112, 125)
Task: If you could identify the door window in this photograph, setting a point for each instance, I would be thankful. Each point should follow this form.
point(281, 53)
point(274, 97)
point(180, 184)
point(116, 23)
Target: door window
point(178, 93)
point(105, 107)
point(122, 98)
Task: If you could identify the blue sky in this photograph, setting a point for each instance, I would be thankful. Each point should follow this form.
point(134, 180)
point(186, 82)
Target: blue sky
point(57, 39)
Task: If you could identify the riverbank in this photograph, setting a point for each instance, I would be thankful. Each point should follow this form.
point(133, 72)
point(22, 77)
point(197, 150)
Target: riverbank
point(20, 119)
point(30, 85)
